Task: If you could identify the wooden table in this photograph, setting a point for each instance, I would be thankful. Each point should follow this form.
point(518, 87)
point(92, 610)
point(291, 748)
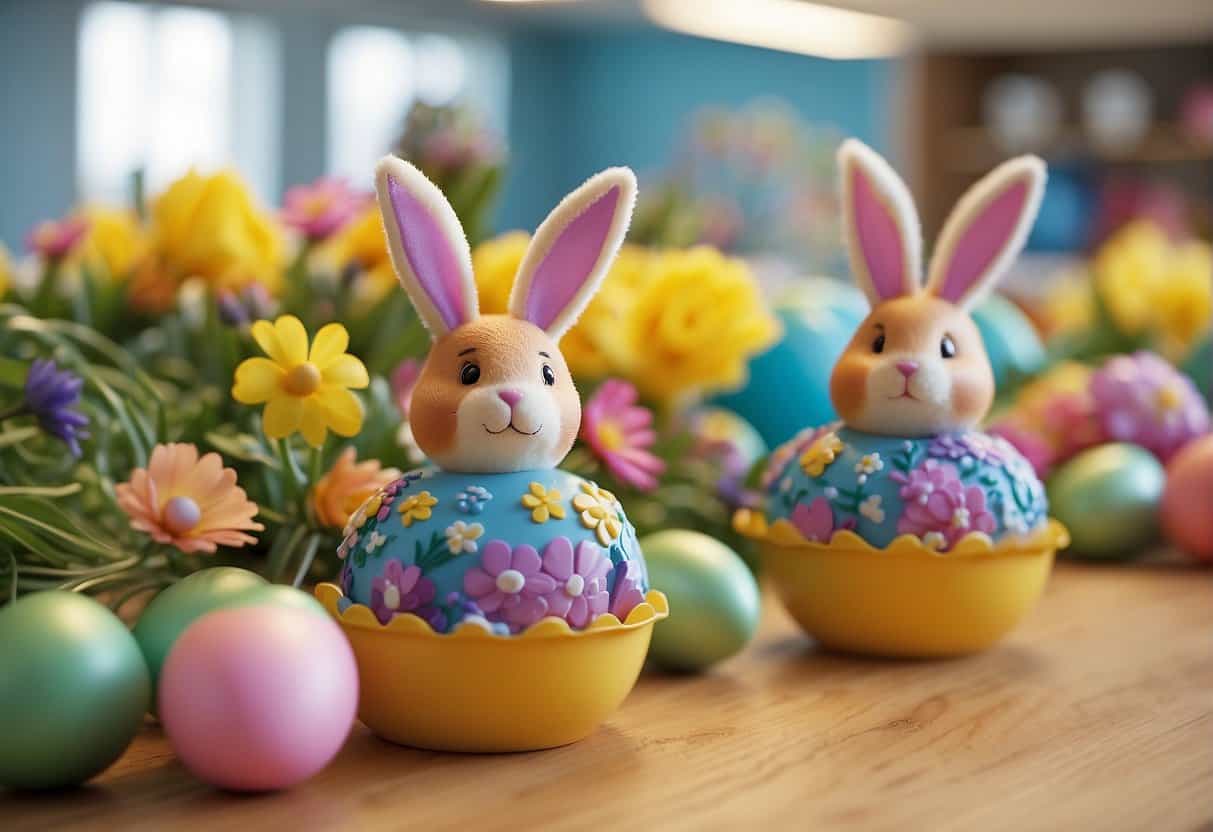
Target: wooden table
point(1096, 714)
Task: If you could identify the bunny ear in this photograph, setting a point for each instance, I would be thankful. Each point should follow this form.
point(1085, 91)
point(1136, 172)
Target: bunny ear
point(880, 225)
point(986, 230)
point(572, 250)
point(428, 248)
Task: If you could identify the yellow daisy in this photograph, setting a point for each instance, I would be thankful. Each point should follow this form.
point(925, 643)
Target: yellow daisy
point(599, 512)
point(303, 390)
point(544, 503)
point(417, 508)
point(821, 454)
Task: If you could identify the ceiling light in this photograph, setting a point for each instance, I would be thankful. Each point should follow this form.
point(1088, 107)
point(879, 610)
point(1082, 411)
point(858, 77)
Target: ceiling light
point(787, 25)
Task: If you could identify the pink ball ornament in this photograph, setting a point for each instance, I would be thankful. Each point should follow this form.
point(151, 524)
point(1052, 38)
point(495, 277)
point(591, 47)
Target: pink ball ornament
point(258, 698)
point(1187, 502)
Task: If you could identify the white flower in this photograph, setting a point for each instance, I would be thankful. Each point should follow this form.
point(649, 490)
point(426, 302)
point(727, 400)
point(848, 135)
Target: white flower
point(870, 508)
point(461, 537)
point(375, 541)
point(831, 492)
point(960, 518)
point(869, 464)
point(934, 540)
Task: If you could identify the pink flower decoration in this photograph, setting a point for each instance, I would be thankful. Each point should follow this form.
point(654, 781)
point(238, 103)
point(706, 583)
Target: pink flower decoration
point(620, 432)
point(400, 589)
point(53, 239)
point(509, 585)
point(318, 210)
point(937, 502)
point(1140, 398)
point(815, 521)
point(581, 588)
point(404, 379)
point(629, 590)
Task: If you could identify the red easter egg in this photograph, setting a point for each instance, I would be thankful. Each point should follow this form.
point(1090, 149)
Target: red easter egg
point(1187, 502)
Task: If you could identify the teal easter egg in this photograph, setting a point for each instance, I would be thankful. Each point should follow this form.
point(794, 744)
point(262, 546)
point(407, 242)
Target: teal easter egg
point(175, 608)
point(818, 317)
point(1109, 498)
point(501, 550)
point(1012, 342)
point(1200, 367)
point(713, 592)
point(73, 690)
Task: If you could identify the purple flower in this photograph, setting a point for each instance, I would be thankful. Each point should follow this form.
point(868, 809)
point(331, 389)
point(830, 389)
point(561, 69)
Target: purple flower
point(1140, 398)
point(629, 589)
point(51, 395)
point(939, 507)
point(580, 594)
point(957, 446)
point(400, 589)
point(509, 584)
point(815, 521)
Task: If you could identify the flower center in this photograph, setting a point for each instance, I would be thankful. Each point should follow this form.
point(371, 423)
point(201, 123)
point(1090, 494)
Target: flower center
point(960, 518)
point(511, 581)
point(181, 514)
point(574, 586)
point(1169, 398)
point(302, 380)
point(610, 436)
point(391, 597)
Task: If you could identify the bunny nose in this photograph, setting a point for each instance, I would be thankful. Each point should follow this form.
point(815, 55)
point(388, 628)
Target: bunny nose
point(907, 368)
point(510, 397)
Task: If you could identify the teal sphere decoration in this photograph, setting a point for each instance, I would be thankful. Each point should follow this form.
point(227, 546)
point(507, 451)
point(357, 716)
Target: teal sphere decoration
point(1012, 342)
point(73, 690)
point(713, 596)
point(1200, 367)
point(819, 317)
point(1109, 498)
point(176, 607)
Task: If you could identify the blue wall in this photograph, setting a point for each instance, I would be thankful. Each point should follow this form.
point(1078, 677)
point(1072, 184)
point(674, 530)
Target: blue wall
point(582, 102)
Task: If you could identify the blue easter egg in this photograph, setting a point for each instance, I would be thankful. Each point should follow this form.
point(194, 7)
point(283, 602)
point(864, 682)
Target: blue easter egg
point(1012, 342)
point(789, 385)
point(937, 488)
point(499, 550)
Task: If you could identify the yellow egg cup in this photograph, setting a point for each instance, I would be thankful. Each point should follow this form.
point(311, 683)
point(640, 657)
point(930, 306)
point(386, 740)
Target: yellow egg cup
point(469, 690)
point(905, 600)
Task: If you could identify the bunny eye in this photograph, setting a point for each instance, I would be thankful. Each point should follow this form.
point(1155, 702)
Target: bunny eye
point(549, 375)
point(947, 347)
point(469, 374)
point(878, 344)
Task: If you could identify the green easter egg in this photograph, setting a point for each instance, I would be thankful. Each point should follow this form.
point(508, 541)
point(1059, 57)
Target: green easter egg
point(277, 595)
point(174, 609)
point(714, 599)
point(73, 690)
point(1109, 497)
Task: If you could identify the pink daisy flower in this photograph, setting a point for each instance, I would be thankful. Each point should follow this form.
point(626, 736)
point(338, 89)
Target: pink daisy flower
point(509, 584)
point(939, 506)
point(620, 432)
point(318, 210)
point(54, 239)
point(581, 589)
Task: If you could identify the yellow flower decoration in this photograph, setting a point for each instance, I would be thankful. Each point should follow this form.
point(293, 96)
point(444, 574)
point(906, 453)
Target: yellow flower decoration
point(821, 454)
point(303, 390)
point(599, 511)
point(544, 503)
point(417, 508)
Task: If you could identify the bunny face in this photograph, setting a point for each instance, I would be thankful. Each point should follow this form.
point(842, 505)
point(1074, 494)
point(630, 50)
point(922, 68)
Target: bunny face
point(510, 394)
point(917, 365)
point(495, 394)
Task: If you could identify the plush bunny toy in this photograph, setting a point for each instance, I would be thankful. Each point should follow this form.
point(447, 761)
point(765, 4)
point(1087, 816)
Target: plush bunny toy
point(917, 365)
point(495, 393)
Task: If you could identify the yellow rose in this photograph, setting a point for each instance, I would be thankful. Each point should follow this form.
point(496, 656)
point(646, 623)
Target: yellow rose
point(208, 227)
point(695, 321)
point(362, 243)
point(114, 244)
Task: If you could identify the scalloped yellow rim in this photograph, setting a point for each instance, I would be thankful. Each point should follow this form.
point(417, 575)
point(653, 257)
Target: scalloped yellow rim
point(754, 525)
point(654, 608)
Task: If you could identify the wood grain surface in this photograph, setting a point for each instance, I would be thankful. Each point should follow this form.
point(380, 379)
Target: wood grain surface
point(1096, 715)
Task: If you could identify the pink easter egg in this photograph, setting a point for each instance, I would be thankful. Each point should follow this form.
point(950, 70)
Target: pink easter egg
point(258, 698)
point(1187, 502)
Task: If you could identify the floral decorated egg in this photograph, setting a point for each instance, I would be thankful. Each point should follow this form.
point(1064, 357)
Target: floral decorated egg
point(937, 488)
point(502, 551)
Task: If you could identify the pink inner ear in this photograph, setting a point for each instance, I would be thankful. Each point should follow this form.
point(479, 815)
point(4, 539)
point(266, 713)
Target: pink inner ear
point(879, 238)
point(982, 241)
point(568, 263)
point(429, 253)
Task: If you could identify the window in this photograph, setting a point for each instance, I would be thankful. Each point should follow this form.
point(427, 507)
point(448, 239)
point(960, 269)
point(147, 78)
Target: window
point(162, 89)
point(375, 74)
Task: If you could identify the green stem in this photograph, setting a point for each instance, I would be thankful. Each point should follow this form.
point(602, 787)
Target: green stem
point(46, 287)
point(13, 412)
point(290, 469)
point(309, 555)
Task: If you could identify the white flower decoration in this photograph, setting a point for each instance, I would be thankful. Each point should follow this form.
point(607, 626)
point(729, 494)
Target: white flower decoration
point(871, 509)
point(461, 537)
point(934, 540)
point(375, 541)
point(869, 464)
